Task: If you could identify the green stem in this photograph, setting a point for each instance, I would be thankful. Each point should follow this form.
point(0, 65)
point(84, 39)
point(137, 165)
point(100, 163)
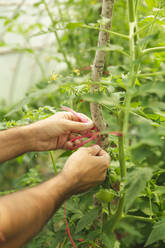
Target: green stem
point(131, 9)
point(96, 28)
point(159, 73)
point(119, 212)
point(138, 218)
point(132, 77)
point(150, 201)
point(106, 30)
point(121, 148)
point(53, 162)
point(154, 50)
point(56, 35)
point(124, 117)
point(143, 28)
point(118, 215)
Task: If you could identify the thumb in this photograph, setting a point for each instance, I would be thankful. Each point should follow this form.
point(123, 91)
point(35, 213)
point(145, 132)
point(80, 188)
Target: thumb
point(94, 150)
point(76, 126)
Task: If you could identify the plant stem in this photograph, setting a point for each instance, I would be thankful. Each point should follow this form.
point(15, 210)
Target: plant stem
point(139, 218)
point(119, 212)
point(132, 77)
point(154, 50)
point(131, 10)
point(56, 35)
point(97, 70)
point(159, 73)
point(123, 117)
point(106, 30)
point(118, 215)
point(53, 162)
point(121, 148)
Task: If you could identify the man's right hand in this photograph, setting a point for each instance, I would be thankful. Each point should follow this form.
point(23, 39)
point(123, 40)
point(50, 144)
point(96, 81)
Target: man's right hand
point(86, 168)
point(83, 170)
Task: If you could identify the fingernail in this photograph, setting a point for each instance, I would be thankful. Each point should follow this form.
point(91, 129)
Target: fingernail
point(97, 147)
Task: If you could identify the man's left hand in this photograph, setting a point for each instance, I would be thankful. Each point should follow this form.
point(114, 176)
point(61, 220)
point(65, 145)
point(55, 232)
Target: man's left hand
point(56, 131)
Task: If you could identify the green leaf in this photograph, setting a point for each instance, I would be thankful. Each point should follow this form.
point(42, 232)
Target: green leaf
point(37, 4)
point(73, 25)
point(150, 3)
point(2, 43)
point(87, 219)
point(113, 100)
point(158, 233)
point(136, 183)
point(108, 240)
point(156, 88)
point(131, 229)
point(159, 190)
point(149, 38)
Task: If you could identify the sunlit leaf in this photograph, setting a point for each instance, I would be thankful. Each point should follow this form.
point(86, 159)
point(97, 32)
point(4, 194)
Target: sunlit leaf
point(157, 233)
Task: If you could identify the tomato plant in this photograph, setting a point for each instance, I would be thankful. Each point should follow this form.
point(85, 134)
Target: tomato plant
point(128, 209)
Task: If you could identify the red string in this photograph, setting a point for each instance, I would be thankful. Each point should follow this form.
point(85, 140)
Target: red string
point(92, 135)
point(67, 228)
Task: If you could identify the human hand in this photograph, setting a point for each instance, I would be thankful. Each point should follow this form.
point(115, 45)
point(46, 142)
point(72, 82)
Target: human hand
point(86, 168)
point(56, 131)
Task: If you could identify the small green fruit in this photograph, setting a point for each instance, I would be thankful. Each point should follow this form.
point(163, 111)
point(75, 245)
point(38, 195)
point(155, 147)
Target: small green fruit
point(105, 195)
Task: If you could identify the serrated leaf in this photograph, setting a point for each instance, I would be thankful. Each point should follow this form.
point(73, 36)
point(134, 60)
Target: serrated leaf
point(87, 219)
point(136, 183)
point(108, 239)
point(156, 88)
point(158, 233)
point(130, 229)
point(113, 100)
point(149, 38)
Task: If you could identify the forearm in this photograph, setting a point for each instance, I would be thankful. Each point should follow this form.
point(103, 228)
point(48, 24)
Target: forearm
point(23, 214)
point(15, 141)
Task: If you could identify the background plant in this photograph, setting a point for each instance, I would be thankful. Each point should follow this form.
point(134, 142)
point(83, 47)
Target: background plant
point(127, 210)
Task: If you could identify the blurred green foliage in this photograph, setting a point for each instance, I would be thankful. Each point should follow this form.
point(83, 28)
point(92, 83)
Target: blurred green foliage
point(144, 220)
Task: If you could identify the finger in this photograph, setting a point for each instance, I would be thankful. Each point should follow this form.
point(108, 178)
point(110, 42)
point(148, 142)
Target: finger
point(77, 142)
point(62, 140)
point(66, 115)
point(104, 159)
point(68, 145)
point(94, 150)
point(83, 117)
point(103, 153)
point(75, 116)
point(78, 126)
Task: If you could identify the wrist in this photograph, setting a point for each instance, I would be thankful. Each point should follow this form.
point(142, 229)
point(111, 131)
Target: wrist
point(69, 184)
point(28, 135)
point(55, 191)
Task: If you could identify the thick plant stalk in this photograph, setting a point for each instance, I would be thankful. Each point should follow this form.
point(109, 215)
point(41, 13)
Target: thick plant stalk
point(97, 69)
point(123, 120)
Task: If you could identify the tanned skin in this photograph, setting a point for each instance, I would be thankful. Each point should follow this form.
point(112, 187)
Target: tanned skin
point(24, 213)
